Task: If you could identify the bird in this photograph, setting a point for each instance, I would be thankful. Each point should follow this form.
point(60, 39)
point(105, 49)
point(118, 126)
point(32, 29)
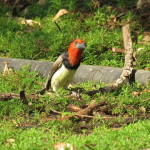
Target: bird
point(65, 67)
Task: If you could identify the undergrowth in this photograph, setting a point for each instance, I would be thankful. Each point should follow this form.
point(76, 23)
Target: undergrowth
point(36, 125)
point(94, 25)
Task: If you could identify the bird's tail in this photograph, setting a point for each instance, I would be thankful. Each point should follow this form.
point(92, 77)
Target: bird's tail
point(41, 92)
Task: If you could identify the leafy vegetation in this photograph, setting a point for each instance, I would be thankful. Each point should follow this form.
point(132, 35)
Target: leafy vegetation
point(122, 123)
point(96, 27)
point(36, 126)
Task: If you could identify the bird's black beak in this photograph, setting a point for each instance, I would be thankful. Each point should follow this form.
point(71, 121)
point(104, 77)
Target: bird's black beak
point(81, 46)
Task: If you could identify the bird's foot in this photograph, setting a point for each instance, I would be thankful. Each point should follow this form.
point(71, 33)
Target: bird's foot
point(75, 94)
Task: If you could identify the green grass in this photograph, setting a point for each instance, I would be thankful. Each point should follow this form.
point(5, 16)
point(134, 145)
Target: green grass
point(47, 42)
point(35, 126)
point(135, 136)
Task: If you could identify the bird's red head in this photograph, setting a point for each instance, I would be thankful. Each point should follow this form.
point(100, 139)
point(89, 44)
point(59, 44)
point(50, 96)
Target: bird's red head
point(75, 51)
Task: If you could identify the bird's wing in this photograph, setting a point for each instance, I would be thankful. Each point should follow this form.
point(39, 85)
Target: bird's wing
point(53, 69)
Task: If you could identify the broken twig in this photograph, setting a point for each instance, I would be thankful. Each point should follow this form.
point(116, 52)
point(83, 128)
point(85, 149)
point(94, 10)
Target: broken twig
point(86, 112)
point(60, 13)
point(118, 50)
point(9, 96)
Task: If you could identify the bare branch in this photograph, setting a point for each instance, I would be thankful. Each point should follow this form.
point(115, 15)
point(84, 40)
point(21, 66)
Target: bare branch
point(128, 65)
point(9, 96)
point(86, 112)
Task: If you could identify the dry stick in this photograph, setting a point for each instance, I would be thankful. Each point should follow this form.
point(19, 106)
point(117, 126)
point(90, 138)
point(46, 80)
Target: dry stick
point(114, 49)
point(23, 97)
point(144, 43)
point(9, 96)
point(128, 65)
point(55, 111)
point(86, 112)
point(89, 110)
point(143, 54)
point(60, 13)
point(36, 55)
point(74, 108)
point(127, 119)
point(57, 26)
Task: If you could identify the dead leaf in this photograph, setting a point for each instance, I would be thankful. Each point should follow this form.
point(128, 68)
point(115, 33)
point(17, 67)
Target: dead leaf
point(7, 70)
point(41, 2)
point(32, 23)
point(60, 13)
point(29, 22)
point(96, 3)
point(146, 91)
point(146, 68)
point(136, 93)
point(15, 123)
point(10, 140)
point(63, 146)
point(142, 109)
point(146, 38)
point(113, 18)
point(139, 49)
point(104, 108)
point(29, 103)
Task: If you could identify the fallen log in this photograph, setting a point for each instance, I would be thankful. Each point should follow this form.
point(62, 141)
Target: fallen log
point(85, 73)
